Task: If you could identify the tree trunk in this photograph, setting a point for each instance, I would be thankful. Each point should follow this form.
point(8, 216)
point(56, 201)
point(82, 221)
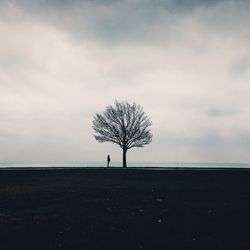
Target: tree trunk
point(124, 159)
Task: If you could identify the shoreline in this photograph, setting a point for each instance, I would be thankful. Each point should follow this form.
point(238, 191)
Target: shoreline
point(126, 169)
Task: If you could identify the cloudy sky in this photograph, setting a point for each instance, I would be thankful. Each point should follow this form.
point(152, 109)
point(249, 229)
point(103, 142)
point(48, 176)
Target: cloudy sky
point(186, 62)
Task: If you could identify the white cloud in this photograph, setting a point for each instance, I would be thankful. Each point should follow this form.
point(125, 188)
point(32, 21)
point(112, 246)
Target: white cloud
point(191, 77)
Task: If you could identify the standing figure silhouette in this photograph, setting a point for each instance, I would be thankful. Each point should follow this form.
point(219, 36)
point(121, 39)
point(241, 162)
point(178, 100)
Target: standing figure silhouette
point(108, 160)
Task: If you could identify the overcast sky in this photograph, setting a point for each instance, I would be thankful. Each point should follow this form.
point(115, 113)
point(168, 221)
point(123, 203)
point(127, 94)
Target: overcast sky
point(186, 62)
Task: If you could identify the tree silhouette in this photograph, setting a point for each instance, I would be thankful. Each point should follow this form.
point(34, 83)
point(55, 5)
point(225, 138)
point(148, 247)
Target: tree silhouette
point(123, 124)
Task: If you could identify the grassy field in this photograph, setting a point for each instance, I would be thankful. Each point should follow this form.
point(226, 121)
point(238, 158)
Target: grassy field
point(124, 209)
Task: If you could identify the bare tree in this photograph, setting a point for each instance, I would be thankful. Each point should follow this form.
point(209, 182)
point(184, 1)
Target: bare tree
point(123, 124)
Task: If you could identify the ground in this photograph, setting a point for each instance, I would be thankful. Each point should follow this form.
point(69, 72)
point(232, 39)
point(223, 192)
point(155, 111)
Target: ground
point(124, 209)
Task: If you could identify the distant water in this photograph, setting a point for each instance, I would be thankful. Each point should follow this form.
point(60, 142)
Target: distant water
point(7, 164)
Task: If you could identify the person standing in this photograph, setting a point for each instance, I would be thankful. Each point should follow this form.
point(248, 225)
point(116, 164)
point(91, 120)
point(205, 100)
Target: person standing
point(108, 160)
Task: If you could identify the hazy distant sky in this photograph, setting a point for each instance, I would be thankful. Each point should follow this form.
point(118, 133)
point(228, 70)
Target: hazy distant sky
point(186, 62)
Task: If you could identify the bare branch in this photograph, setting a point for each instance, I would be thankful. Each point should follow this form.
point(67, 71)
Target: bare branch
point(123, 124)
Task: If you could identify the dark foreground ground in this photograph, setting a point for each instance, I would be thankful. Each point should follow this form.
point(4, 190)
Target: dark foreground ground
point(124, 209)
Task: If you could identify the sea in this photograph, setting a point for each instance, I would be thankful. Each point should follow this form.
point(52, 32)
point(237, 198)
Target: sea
point(30, 164)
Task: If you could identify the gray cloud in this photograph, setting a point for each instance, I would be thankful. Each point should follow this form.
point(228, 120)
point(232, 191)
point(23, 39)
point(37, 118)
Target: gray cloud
point(134, 21)
point(187, 64)
point(241, 66)
point(217, 112)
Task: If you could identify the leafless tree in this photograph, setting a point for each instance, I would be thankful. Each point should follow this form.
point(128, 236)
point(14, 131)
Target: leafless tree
point(123, 124)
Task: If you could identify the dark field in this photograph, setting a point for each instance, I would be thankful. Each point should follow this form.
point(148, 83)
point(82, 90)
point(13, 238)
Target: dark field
point(124, 209)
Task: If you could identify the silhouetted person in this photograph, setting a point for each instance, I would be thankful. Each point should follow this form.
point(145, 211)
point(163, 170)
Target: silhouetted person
point(108, 160)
